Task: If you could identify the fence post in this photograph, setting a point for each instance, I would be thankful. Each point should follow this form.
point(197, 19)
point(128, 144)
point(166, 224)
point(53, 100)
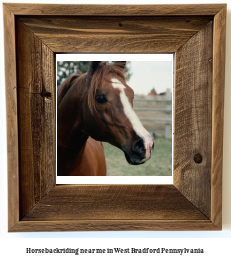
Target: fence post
point(168, 115)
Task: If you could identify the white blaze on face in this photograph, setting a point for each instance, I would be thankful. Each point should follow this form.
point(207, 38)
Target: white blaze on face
point(133, 118)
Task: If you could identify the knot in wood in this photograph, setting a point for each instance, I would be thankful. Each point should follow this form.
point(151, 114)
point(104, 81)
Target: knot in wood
point(198, 158)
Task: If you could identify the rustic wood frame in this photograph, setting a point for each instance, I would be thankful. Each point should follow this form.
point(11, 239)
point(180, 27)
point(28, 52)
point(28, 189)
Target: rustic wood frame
point(33, 34)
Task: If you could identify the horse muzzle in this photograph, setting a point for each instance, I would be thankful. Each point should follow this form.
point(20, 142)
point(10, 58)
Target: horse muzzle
point(139, 153)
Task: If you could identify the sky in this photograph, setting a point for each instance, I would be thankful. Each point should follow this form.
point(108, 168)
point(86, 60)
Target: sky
point(148, 70)
point(151, 74)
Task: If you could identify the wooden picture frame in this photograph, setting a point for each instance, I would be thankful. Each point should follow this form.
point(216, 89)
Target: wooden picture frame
point(34, 33)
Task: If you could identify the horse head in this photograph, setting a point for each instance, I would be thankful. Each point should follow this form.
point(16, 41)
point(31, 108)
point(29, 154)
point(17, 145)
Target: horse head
point(108, 113)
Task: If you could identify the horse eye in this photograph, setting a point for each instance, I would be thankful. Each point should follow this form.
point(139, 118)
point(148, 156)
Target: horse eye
point(101, 98)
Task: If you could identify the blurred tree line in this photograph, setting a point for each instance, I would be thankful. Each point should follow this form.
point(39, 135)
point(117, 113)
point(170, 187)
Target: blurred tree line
point(66, 68)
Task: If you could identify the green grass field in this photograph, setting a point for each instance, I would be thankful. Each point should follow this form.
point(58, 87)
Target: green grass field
point(160, 163)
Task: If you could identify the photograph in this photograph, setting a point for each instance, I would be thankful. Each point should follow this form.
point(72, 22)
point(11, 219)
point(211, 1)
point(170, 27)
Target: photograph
point(114, 118)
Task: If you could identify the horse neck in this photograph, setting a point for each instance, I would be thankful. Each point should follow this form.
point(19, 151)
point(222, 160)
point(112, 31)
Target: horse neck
point(70, 129)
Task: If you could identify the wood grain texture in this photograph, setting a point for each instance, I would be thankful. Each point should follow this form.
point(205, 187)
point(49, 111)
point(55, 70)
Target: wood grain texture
point(108, 202)
point(12, 121)
point(114, 225)
point(36, 105)
point(115, 34)
point(113, 207)
point(114, 10)
point(193, 126)
point(194, 201)
point(218, 115)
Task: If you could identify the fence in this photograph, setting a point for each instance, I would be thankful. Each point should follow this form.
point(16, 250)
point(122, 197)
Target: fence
point(167, 120)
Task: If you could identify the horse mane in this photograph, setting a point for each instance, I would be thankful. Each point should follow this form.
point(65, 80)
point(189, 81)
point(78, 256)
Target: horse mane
point(99, 75)
point(64, 87)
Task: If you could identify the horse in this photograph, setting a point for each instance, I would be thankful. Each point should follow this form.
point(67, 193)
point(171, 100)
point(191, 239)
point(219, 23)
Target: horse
point(97, 107)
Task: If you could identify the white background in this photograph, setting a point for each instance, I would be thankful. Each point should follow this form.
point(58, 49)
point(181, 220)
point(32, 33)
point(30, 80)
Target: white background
point(215, 244)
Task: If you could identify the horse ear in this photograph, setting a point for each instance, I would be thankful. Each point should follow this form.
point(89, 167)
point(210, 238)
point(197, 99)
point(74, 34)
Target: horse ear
point(93, 67)
point(121, 64)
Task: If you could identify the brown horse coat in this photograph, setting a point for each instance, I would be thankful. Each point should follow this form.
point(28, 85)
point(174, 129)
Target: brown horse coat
point(89, 161)
point(77, 153)
point(94, 107)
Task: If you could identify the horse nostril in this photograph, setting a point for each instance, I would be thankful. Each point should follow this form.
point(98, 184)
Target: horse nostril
point(138, 146)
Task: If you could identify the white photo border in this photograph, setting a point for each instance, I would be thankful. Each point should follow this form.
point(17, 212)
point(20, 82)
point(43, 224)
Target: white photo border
point(116, 179)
